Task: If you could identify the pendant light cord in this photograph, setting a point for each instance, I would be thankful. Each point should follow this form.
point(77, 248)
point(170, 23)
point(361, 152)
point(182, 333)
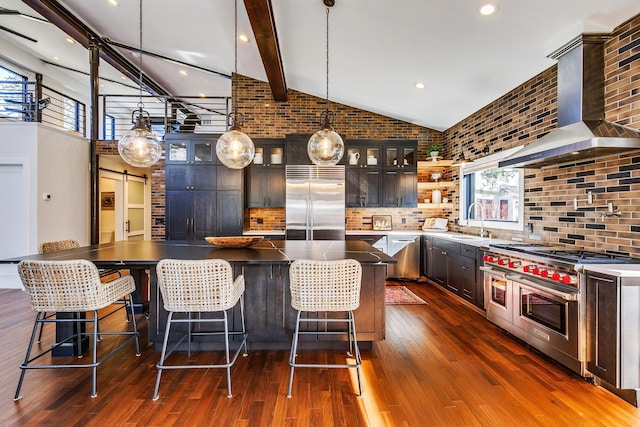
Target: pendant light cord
point(234, 82)
point(327, 50)
point(140, 104)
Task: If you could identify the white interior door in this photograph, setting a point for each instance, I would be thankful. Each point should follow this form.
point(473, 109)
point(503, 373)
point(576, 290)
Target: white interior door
point(14, 214)
point(136, 224)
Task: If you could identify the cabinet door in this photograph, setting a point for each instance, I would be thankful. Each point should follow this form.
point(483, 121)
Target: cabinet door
point(275, 189)
point(602, 327)
point(363, 187)
point(439, 270)
point(427, 258)
point(467, 272)
point(229, 213)
point(204, 214)
point(256, 197)
point(202, 152)
point(176, 151)
point(178, 215)
point(177, 177)
point(408, 188)
point(400, 188)
point(265, 187)
point(296, 149)
point(229, 179)
point(265, 294)
point(203, 178)
point(454, 261)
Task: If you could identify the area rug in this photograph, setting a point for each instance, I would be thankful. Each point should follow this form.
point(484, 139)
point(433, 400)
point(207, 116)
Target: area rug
point(397, 295)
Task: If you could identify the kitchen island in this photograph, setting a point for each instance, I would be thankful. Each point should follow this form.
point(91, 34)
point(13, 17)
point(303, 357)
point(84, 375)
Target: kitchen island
point(270, 319)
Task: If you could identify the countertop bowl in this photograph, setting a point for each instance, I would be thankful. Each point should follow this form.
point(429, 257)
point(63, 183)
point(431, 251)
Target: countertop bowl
point(234, 241)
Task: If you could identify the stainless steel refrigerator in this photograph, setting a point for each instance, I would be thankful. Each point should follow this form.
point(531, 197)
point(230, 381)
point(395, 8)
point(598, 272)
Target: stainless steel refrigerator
point(315, 207)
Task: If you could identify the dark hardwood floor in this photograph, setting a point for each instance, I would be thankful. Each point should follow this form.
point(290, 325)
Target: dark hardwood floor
point(442, 364)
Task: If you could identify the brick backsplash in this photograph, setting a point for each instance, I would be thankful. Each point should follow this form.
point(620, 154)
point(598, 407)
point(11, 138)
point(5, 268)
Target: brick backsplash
point(519, 117)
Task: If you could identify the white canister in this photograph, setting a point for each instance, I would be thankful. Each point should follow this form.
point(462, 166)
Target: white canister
point(436, 196)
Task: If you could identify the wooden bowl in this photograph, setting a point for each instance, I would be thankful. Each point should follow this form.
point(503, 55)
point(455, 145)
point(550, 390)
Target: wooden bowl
point(234, 241)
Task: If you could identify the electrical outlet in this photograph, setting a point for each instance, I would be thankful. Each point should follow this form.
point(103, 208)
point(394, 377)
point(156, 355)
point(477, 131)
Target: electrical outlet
point(404, 220)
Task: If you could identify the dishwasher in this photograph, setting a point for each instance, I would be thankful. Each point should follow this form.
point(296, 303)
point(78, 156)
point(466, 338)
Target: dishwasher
point(405, 248)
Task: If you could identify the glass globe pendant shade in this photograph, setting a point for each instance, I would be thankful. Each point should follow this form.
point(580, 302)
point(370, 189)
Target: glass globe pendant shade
point(234, 148)
point(325, 147)
point(140, 146)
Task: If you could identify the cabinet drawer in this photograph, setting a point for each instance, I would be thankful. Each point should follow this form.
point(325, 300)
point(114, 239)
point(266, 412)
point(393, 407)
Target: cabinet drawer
point(446, 245)
point(468, 250)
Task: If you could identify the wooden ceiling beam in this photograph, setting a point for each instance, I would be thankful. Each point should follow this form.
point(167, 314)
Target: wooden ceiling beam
point(264, 30)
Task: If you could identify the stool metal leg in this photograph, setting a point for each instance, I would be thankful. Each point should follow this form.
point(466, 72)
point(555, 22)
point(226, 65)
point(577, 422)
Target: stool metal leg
point(162, 355)
point(226, 353)
point(94, 359)
point(28, 356)
point(292, 355)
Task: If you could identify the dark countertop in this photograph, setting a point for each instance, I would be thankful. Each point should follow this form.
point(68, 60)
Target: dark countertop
point(147, 252)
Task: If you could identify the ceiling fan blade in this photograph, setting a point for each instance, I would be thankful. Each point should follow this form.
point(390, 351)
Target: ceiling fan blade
point(5, 11)
point(9, 30)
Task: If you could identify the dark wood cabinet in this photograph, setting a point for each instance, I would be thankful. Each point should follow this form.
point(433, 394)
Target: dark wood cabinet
point(363, 187)
point(296, 149)
point(265, 179)
point(400, 188)
point(381, 173)
point(203, 197)
point(612, 329)
point(453, 266)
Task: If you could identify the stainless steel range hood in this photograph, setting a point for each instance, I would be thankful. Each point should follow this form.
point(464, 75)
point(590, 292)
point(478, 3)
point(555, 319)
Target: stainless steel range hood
point(582, 133)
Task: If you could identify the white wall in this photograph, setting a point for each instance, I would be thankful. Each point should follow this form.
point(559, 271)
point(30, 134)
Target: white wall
point(57, 163)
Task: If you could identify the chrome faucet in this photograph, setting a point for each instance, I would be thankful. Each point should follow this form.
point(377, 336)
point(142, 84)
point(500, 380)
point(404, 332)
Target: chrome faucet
point(471, 206)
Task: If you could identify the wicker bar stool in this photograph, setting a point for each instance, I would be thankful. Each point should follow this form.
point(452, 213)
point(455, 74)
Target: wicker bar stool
point(325, 286)
point(72, 286)
point(62, 245)
point(200, 286)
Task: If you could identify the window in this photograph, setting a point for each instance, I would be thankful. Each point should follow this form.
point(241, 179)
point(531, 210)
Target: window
point(109, 127)
point(71, 112)
point(492, 196)
point(15, 96)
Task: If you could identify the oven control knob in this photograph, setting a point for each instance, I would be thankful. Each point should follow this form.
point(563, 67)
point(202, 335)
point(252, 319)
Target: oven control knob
point(503, 261)
point(569, 280)
point(555, 275)
point(514, 264)
point(527, 268)
point(544, 273)
point(535, 270)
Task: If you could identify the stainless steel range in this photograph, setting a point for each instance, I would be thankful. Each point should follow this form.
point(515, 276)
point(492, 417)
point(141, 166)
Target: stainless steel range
point(536, 292)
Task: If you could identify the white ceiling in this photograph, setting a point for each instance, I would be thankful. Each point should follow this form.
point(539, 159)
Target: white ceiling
point(378, 48)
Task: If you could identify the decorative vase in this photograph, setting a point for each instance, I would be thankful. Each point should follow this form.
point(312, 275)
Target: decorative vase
point(436, 196)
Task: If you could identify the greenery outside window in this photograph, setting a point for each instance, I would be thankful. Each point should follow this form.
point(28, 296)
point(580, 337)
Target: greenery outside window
point(494, 194)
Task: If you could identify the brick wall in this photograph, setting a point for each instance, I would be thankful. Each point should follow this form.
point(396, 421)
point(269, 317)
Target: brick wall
point(529, 112)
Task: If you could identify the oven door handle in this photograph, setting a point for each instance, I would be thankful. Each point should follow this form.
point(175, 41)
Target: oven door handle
point(536, 287)
point(494, 272)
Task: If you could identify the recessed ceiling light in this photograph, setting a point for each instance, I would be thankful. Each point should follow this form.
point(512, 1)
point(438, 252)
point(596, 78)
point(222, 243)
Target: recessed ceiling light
point(243, 38)
point(123, 77)
point(70, 40)
point(202, 95)
point(419, 85)
point(183, 72)
point(55, 58)
point(113, 2)
point(486, 9)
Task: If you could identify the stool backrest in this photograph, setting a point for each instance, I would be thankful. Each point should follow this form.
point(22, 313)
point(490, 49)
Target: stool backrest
point(59, 245)
point(198, 285)
point(325, 285)
point(72, 285)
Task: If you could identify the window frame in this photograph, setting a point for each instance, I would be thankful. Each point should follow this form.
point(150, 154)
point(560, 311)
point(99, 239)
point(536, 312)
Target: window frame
point(489, 162)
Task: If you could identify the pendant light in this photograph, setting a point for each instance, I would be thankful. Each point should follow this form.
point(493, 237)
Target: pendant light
point(140, 146)
point(234, 148)
point(325, 147)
